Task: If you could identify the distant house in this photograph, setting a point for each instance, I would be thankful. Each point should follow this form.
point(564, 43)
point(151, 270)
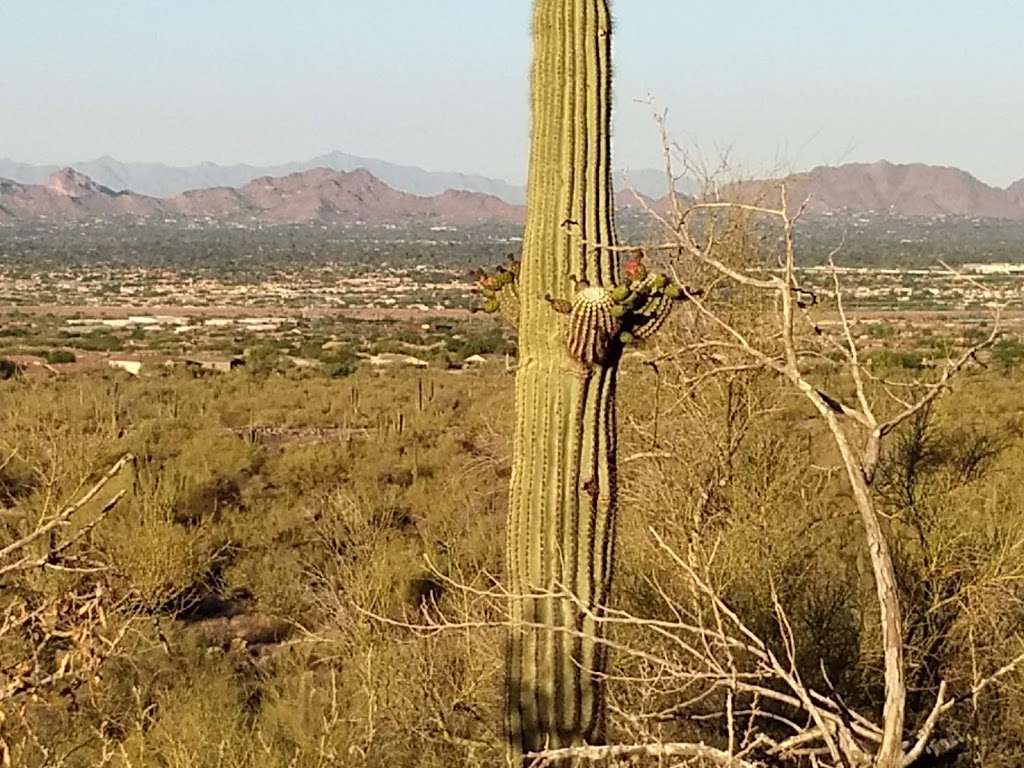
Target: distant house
point(132, 367)
point(84, 329)
point(214, 365)
point(474, 361)
point(393, 359)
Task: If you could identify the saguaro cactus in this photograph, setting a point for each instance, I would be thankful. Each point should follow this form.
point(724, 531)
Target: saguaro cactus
point(573, 318)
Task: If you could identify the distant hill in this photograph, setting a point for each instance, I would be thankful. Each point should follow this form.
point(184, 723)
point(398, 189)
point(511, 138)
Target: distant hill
point(159, 180)
point(329, 196)
point(1016, 192)
point(320, 195)
point(911, 190)
point(70, 195)
point(326, 195)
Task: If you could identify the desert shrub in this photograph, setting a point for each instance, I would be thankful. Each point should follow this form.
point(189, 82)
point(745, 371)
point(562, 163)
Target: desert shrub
point(299, 503)
point(59, 356)
point(484, 341)
point(340, 363)
point(1008, 353)
point(910, 360)
point(264, 360)
point(98, 341)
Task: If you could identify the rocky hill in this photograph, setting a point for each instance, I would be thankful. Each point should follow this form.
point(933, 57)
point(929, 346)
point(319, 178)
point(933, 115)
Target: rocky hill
point(321, 196)
point(1016, 192)
point(72, 196)
point(160, 180)
point(911, 190)
point(328, 196)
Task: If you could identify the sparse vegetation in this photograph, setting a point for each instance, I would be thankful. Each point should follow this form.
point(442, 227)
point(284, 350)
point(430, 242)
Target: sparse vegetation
point(295, 561)
point(265, 517)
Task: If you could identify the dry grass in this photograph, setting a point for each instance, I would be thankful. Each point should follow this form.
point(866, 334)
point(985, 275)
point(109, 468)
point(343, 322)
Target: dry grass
point(238, 573)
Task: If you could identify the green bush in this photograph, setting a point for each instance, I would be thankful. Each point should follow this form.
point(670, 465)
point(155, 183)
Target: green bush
point(59, 356)
point(1008, 353)
point(99, 341)
point(299, 501)
point(892, 359)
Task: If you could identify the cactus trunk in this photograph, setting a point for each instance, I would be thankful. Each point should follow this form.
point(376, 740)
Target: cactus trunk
point(561, 525)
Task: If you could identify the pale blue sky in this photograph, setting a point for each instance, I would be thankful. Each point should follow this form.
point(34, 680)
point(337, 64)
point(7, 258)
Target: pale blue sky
point(442, 83)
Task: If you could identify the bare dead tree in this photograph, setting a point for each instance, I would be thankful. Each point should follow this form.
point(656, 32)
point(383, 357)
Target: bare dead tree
point(857, 428)
point(54, 642)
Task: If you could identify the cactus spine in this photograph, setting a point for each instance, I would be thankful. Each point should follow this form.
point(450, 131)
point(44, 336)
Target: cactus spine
point(561, 526)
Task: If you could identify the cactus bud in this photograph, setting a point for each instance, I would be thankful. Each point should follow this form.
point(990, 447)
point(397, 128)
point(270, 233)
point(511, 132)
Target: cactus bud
point(634, 269)
point(673, 291)
point(626, 337)
point(561, 306)
point(620, 293)
point(491, 306)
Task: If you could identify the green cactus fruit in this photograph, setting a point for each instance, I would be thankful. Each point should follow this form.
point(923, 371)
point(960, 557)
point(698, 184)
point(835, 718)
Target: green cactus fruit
point(618, 311)
point(673, 291)
point(626, 337)
point(491, 306)
point(620, 293)
point(658, 282)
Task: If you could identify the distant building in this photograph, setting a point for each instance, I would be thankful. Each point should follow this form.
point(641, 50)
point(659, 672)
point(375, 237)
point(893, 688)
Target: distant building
point(1004, 268)
point(132, 367)
point(215, 365)
point(393, 359)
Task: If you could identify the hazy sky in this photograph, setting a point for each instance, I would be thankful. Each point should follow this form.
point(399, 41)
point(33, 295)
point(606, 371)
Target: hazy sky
point(442, 83)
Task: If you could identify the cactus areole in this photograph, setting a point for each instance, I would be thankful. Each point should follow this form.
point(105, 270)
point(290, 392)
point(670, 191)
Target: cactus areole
point(561, 519)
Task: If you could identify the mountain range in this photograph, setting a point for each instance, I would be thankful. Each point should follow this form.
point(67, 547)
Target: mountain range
point(329, 196)
point(159, 180)
point(911, 190)
point(317, 196)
